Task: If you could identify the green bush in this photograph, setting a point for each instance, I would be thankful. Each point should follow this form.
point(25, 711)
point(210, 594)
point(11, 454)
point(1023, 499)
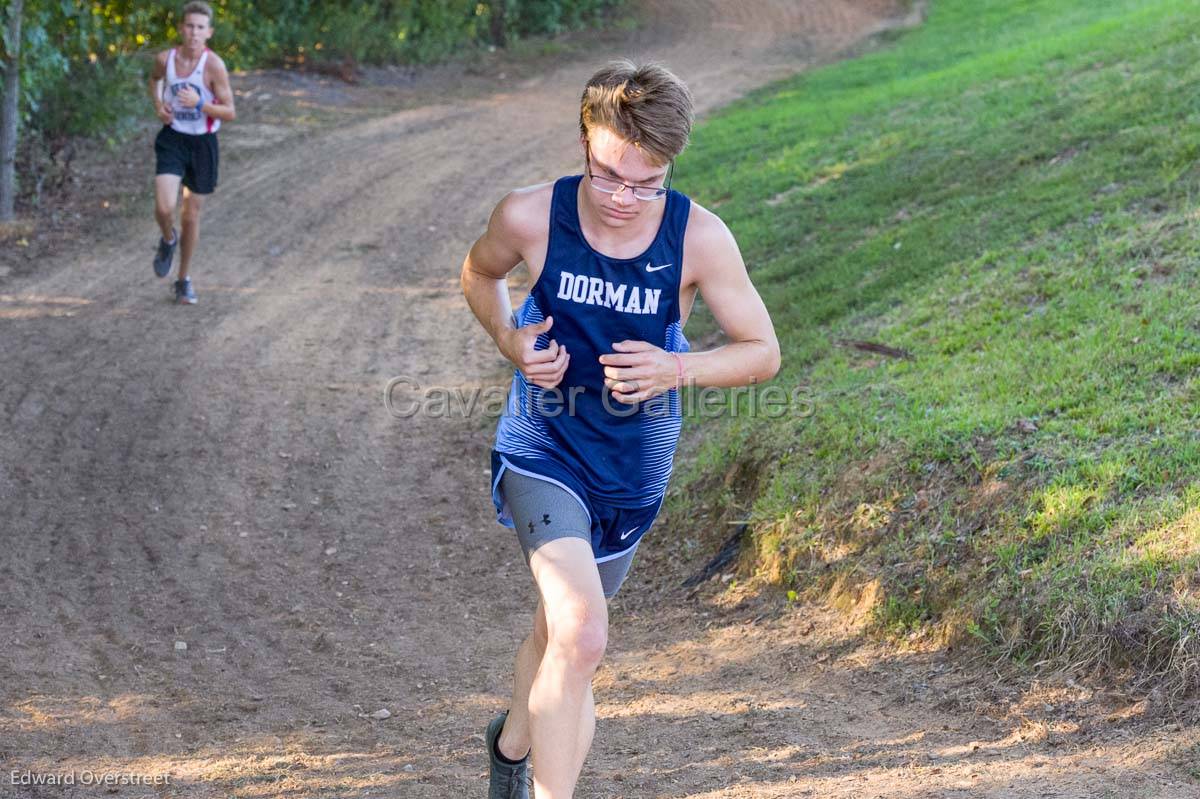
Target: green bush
point(101, 99)
point(84, 66)
point(538, 17)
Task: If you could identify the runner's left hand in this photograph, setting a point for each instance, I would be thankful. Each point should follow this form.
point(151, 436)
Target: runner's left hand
point(189, 97)
point(637, 371)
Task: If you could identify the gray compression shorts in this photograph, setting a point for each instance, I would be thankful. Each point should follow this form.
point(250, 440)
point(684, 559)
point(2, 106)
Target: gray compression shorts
point(543, 511)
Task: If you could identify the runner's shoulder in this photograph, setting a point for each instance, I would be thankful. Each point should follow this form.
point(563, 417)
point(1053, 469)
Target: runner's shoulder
point(215, 62)
point(523, 215)
point(705, 231)
point(709, 248)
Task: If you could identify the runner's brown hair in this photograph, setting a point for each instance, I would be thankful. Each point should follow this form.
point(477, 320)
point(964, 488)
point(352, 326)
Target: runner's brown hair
point(646, 104)
point(197, 7)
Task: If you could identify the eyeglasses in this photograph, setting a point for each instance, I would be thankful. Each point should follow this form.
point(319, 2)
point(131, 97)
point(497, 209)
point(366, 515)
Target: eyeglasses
point(613, 186)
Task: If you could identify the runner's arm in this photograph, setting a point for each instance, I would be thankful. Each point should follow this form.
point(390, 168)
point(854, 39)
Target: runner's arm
point(638, 370)
point(486, 267)
point(222, 105)
point(752, 355)
point(511, 229)
point(158, 74)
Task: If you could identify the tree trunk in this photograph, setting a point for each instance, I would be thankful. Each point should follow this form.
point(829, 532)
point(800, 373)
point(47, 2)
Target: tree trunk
point(499, 25)
point(8, 115)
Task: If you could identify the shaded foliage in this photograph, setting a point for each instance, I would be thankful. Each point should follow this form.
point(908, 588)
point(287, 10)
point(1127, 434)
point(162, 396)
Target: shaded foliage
point(83, 65)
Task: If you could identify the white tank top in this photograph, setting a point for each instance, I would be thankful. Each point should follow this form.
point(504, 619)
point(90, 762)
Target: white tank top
point(189, 120)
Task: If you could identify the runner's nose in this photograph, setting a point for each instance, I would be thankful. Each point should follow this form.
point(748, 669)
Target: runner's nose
point(624, 197)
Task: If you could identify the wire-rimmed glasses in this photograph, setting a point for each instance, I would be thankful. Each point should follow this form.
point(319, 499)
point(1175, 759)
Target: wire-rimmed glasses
point(614, 186)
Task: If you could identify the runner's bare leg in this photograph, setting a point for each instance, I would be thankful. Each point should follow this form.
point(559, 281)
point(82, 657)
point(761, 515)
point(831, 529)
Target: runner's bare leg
point(166, 193)
point(561, 706)
point(514, 740)
point(189, 229)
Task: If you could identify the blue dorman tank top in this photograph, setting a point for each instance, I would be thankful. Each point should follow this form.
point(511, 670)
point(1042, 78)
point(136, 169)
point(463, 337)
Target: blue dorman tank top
point(621, 454)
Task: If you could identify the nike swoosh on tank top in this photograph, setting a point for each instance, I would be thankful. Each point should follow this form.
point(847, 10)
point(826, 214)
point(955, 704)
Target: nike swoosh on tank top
point(622, 454)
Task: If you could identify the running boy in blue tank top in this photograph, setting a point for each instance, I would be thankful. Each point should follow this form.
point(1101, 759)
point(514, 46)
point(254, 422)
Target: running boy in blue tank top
point(190, 88)
point(584, 449)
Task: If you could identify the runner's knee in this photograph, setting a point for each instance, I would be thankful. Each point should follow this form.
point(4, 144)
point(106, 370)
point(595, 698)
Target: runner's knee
point(578, 633)
point(191, 212)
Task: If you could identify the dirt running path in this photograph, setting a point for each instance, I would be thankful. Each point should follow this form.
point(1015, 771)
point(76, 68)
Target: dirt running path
point(227, 476)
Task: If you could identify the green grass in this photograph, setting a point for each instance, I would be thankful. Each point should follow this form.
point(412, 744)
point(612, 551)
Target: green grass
point(1009, 193)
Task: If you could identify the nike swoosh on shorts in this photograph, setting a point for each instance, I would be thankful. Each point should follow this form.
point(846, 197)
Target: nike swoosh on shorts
point(631, 530)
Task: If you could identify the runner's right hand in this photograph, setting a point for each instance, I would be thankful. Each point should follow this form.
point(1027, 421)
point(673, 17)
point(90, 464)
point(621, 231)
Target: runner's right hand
point(543, 368)
point(164, 113)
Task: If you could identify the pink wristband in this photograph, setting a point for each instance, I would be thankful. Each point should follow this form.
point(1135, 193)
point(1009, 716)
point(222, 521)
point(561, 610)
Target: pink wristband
point(678, 370)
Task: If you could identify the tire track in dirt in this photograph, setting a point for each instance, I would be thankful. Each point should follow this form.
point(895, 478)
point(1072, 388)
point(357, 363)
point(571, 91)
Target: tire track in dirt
point(227, 476)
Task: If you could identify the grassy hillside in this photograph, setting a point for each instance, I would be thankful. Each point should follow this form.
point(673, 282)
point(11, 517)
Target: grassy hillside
point(1009, 195)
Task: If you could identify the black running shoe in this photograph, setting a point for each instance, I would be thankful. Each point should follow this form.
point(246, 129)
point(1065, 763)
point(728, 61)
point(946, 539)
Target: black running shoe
point(165, 254)
point(507, 781)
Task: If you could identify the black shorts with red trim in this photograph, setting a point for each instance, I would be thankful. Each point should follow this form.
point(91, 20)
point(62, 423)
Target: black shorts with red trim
point(193, 157)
